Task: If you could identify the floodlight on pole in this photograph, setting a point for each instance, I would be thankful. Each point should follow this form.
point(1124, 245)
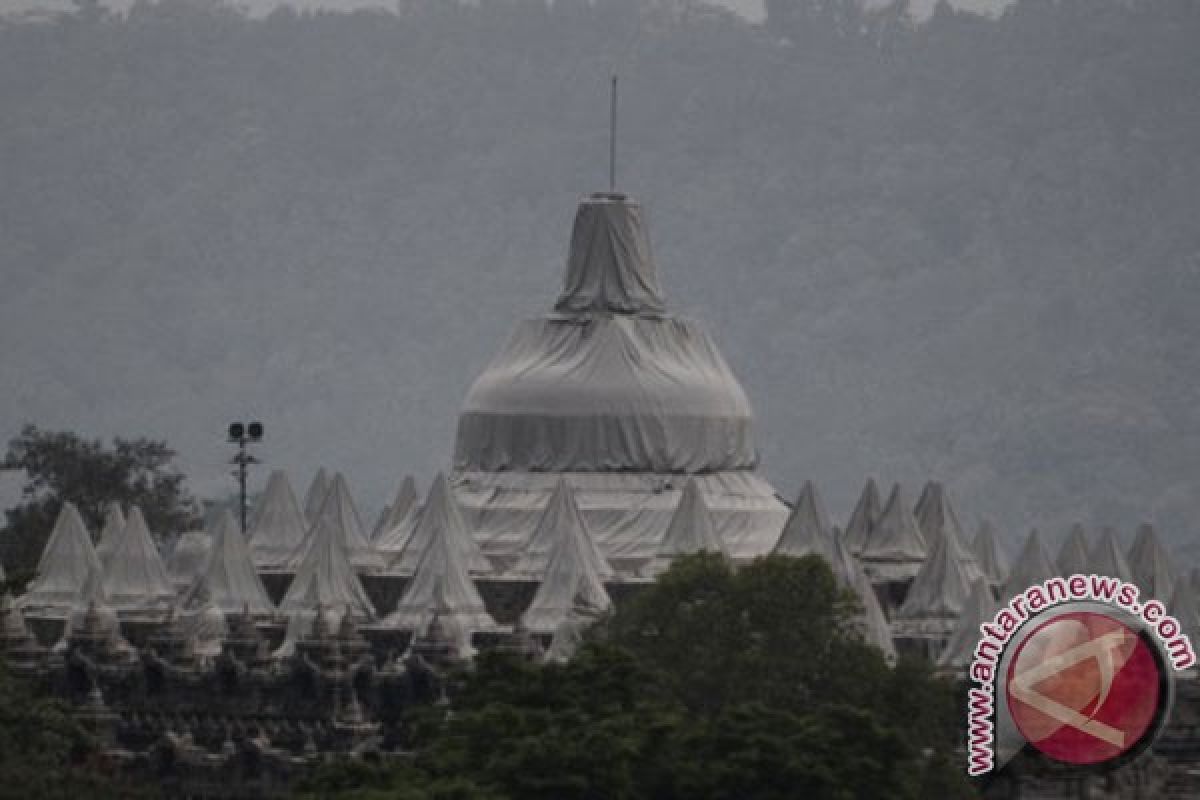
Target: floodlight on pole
point(241, 434)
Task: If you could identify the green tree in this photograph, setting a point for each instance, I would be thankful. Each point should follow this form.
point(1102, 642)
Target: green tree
point(62, 466)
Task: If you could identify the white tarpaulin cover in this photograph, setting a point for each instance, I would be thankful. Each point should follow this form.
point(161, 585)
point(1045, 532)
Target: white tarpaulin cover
point(1151, 564)
point(568, 636)
point(315, 496)
point(136, 577)
point(441, 584)
point(937, 519)
point(849, 574)
point(978, 609)
point(561, 520)
point(991, 558)
point(114, 523)
point(339, 514)
point(940, 588)
point(67, 560)
point(400, 520)
point(895, 548)
point(1106, 558)
point(807, 530)
point(1033, 566)
point(864, 518)
point(440, 519)
point(279, 526)
point(691, 530)
point(188, 557)
point(229, 581)
point(609, 384)
point(626, 512)
point(1073, 555)
point(325, 577)
point(571, 582)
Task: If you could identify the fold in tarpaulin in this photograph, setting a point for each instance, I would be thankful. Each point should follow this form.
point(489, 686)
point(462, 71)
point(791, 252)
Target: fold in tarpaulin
point(610, 267)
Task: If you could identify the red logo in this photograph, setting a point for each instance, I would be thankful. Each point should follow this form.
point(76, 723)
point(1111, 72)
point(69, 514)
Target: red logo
point(1085, 688)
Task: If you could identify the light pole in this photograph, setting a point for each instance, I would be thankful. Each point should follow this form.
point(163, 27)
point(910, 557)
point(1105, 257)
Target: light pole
point(242, 434)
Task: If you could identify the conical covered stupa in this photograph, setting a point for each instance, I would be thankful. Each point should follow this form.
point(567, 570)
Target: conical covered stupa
point(339, 514)
point(136, 577)
point(978, 609)
point(1032, 566)
point(1151, 564)
point(620, 398)
point(188, 557)
point(895, 549)
point(561, 520)
point(864, 517)
point(325, 577)
point(991, 558)
point(1106, 558)
point(67, 560)
point(849, 574)
point(940, 588)
point(315, 496)
point(278, 528)
point(400, 520)
point(571, 581)
point(1073, 555)
point(440, 519)
point(807, 530)
point(937, 519)
point(691, 531)
point(114, 523)
point(229, 581)
point(441, 584)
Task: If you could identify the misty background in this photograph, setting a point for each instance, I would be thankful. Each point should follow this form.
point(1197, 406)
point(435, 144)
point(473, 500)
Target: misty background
point(937, 245)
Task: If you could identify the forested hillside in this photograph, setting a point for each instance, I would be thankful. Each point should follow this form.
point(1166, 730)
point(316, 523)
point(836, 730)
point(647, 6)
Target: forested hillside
point(968, 249)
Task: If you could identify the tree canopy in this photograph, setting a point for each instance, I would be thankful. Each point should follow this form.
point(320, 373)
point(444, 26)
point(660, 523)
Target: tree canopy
point(711, 684)
point(62, 466)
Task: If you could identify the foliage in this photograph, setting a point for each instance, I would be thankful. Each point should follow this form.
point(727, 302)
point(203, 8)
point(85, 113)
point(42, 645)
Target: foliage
point(653, 707)
point(44, 752)
point(62, 466)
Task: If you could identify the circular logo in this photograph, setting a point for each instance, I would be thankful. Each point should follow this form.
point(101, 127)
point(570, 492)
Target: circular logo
point(1085, 688)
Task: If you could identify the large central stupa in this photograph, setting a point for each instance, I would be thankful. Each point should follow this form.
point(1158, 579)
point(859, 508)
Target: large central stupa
point(620, 398)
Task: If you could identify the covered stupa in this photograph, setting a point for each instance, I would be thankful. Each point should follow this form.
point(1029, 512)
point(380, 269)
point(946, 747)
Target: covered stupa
point(620, 398)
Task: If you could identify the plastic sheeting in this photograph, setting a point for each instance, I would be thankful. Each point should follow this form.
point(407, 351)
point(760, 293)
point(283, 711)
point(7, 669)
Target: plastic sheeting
point(864, 518)
point(1151, 564)
point(315, 495)
point(114, 523)
point(401, 517)
point(67, 560)
point(937, 518)
point(1073, 555)
point(278, 527)
point(1106, 558)
point(1032, 566)
point(609, 265)
point(188, 558)
point(339, 515)
point(561, 520)
point(607, 393)
point(627, 513)
point(440, 519)
point(441, 585)
point(940, 588)
point(572, 579)
point(850, 575)
point(325, 576)
point(978, 609)
point(228, 581)
point(991, 558)
point(691, 530)
point(807, 530)
point(895, 548)
point(136, 577)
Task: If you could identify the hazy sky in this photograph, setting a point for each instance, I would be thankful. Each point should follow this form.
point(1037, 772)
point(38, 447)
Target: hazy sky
point(752, 9)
